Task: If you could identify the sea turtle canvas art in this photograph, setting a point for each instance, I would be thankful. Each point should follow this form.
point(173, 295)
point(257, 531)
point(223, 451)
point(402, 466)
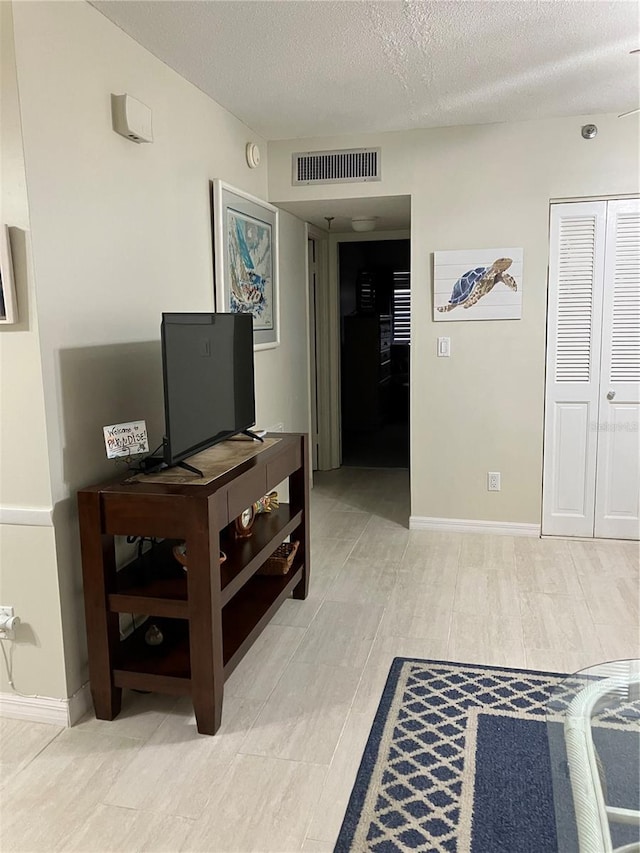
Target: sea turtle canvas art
point(478, 285)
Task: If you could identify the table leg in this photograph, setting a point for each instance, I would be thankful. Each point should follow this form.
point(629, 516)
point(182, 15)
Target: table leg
point(103, 627)
point(205, 617)
point(299, 497)
point(106, 703)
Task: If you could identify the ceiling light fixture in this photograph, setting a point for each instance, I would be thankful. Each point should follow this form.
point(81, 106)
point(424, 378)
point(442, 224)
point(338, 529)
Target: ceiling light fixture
point(363, 223)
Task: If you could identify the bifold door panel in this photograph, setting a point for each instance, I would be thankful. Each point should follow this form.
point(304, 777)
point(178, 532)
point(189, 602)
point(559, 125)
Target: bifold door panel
point(617, 506)
point(576, 265)
point(591, 472)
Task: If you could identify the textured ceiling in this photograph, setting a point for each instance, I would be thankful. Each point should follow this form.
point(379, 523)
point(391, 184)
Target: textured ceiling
point(295, 68)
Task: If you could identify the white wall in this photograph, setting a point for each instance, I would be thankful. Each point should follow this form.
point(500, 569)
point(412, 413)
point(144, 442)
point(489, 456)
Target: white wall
point(121, 232)
point(27, 550)
point(473, 187)
point(282, 384)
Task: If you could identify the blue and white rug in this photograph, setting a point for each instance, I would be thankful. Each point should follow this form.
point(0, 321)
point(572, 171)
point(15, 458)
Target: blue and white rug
point(458, 761)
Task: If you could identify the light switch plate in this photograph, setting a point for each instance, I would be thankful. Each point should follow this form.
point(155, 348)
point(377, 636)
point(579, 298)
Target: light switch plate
point(444, 347)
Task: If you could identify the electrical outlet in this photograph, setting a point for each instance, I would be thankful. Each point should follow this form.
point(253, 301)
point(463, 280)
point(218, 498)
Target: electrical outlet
point(276, 428)
point(493, 481)
point(8, 623)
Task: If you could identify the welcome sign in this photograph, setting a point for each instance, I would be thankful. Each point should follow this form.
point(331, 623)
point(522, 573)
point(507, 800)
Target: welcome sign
point(126, 439)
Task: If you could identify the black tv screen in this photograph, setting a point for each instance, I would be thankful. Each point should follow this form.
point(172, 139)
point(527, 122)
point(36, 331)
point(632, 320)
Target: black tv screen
point(207, 363)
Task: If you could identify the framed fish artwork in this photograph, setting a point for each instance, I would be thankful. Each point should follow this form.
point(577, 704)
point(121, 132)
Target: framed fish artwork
point(245, 247)
point(478, 284)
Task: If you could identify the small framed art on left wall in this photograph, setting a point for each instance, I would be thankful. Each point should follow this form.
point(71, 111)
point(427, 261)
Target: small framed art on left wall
point(8, 304)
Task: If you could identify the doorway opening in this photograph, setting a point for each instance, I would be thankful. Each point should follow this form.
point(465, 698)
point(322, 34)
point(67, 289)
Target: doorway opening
point(375, 332)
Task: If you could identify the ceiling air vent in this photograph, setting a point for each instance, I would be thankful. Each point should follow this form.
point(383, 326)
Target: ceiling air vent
point(336, 167)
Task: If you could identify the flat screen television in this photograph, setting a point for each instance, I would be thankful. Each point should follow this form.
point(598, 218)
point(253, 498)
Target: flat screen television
point(209, 395)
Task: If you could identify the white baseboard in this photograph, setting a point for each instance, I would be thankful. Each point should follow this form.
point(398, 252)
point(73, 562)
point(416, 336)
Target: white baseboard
point(79, 704)
point(464, 525)
point(32, 516)
point(42, 709)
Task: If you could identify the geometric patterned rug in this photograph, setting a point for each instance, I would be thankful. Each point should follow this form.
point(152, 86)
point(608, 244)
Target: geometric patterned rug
point(458, 761)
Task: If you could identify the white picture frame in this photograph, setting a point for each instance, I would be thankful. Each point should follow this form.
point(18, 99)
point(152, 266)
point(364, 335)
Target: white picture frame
point(478, 284)
point(8, 303)
point(245, 249)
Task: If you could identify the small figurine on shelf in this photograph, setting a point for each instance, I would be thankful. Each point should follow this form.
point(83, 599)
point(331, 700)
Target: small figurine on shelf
point(267, 503)
point(153, 636)
point(243, 524)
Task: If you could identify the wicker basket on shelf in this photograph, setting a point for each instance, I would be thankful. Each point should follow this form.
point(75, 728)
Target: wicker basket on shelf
point(281, 560)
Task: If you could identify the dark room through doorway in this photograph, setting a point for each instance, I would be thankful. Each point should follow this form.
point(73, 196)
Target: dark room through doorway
point(375, 295)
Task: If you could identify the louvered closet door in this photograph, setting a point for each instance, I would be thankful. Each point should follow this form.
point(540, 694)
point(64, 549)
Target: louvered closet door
point(574, 325)
point(618, 457)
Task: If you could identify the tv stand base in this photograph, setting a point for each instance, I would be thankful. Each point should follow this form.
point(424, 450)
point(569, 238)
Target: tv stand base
point(191, 468)
point(153, 464)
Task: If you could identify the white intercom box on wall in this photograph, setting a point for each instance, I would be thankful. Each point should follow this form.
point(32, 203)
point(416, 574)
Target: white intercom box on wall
point(131, 118)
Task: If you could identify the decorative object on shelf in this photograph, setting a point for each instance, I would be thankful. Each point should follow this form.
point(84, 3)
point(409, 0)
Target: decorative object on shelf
point(127, 439)
point(475, 285)
point(153, 636)
point(8, 304)
point(267, 503)
point(281, 560)
point(243, 524)
point(180, 553)
point(245, 230)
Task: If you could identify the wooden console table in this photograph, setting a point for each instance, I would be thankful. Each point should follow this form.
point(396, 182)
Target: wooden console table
point(209, 615)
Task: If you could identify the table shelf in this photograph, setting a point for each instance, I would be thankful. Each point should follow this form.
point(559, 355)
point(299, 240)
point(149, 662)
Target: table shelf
point(250, 610)
point(138, 665)
point(167, 667)
point(156, 584)
point(245, 556)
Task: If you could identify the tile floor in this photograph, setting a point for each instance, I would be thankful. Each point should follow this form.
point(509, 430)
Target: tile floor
point(298, 709)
